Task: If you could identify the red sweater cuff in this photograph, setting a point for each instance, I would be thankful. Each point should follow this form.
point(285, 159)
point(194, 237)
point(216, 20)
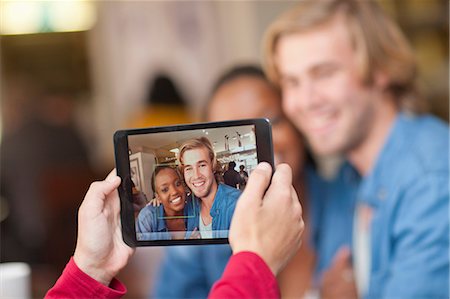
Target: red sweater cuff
point(74, 283)
point(246, 276)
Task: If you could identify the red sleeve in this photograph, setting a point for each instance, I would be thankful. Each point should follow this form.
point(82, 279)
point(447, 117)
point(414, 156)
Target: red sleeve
point(246, 276)
point(74, 283)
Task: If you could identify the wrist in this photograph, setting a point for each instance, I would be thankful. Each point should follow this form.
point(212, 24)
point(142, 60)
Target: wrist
point(93, 269)
point(274, 268)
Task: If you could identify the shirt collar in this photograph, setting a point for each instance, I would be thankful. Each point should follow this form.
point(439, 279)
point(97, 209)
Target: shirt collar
point(160, 221)
point(374, 187)
point(218, 203)
point(160, 214)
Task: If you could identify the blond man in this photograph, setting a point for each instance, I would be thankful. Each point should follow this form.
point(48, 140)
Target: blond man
point(215, 201)
point(348, 80)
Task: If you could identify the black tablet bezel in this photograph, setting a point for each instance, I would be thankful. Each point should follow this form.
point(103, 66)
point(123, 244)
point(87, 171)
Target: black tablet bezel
point(264, 150)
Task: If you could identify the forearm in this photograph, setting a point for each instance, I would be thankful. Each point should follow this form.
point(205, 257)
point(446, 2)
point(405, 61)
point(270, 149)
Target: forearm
point(246, 276)
point(74, 283)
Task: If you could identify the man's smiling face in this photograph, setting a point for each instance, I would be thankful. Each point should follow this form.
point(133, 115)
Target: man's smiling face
point(198, 171)
point(323, 91)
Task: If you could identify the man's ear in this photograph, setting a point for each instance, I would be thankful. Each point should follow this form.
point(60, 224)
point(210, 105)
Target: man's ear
point(381, 80)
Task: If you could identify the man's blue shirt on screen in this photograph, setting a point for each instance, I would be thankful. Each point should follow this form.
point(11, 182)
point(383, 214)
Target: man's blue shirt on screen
point(222, 209)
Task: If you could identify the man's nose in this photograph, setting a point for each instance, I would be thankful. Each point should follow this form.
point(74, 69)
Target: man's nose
point(196, 172)
point(310, 96)
point(307, 96)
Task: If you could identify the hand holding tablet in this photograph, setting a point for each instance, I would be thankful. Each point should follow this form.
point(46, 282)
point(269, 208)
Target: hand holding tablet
point(268, 219)
point(181, 167)
point(99, 253)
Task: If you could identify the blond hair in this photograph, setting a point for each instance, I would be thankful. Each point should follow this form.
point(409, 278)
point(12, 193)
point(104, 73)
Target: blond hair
point(201, 142)
point(378, 42)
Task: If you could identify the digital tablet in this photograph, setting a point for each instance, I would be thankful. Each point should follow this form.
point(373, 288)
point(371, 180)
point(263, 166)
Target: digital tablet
point(180, 184)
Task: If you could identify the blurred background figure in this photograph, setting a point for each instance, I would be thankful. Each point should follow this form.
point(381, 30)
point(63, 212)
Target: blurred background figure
point(231, 177)
point(165, 105)
point(348, 77)
point(238, 87)
point(44, 172)
point(244, 177)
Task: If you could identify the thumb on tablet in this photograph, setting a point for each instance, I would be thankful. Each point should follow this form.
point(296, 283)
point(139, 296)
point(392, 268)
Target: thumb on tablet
point(257, 185)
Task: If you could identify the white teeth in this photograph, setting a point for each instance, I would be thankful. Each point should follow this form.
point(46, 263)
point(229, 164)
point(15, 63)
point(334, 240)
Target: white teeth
point(176, 200)
point(198, 184)
point(321, 121)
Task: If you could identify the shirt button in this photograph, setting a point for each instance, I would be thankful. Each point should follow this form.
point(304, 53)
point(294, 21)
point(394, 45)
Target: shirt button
point(381, 194)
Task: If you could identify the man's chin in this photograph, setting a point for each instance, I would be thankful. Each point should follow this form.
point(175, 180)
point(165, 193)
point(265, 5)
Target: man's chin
point(325, 149)
point(200, 193)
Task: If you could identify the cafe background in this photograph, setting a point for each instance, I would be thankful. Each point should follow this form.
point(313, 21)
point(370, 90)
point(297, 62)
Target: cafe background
point(73, 72)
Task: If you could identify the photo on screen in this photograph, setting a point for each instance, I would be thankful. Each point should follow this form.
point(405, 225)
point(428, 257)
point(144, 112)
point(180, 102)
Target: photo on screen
point(175, 174)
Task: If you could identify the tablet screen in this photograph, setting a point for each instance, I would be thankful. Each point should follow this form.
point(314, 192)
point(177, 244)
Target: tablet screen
point(185, 182)
point(181, 171)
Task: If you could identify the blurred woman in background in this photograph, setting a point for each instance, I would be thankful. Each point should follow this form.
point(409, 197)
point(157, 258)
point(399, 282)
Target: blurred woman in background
point(242, 92)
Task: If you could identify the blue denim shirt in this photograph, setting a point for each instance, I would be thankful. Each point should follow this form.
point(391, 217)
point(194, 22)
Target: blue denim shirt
point(332, 205)
point(222, 209)
point(408, 188)
point(150, 224)
point(410, 230)
point(190, 271)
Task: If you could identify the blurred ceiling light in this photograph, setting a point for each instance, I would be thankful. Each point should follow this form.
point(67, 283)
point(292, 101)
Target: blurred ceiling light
point(175, 150)
point(71, 15)
point(20, 17)
point(24, 17)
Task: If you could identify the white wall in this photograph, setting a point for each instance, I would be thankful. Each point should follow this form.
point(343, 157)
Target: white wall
point(192, 41)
